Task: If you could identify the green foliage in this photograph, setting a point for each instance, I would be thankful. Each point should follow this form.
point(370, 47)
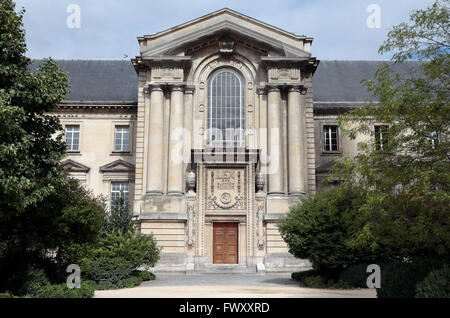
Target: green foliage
point(106, 269)
point(435, 285)
point(399, 279)
point(407, 183)
point(355, 275)
point(315, 279)
point(29, 157)
point(318, 229)
point(137, 249)
point(144, 275)
point(120, 218)
point(26, 280)
point(130, 282)
point(62, 291)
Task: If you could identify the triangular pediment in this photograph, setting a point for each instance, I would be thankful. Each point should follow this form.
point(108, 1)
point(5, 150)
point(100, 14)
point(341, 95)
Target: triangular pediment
point(117, 166)
point(70, 165)
point(225, 21)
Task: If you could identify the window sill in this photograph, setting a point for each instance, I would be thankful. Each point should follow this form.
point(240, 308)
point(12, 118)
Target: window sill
point(120, 153)
point(73, 153)
point(331, 153)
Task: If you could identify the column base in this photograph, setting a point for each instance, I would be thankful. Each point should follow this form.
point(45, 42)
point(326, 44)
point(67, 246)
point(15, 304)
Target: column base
point(175, 193)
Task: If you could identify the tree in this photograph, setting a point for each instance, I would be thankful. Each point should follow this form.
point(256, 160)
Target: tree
point(45, 218)
point(319, 228)
point(29, 156)
point(407, 180)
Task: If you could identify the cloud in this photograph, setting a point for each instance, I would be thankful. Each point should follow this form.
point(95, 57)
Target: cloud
point(109, 28)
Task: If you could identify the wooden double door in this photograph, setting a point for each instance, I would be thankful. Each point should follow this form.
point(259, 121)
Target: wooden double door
point(225, 243)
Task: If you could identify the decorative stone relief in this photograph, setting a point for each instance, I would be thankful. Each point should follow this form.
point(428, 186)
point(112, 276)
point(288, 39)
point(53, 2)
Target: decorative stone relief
point(276, 74)
point(260, 230)
point(226, 189)
point(190, 182)
point(260, 181)
point(160, 73)
point(190, 211)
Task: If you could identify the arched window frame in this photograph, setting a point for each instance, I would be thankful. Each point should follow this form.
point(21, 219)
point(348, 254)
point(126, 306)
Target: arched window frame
point(225, 142)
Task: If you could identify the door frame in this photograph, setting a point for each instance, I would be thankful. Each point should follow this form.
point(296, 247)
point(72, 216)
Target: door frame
point(236, 223)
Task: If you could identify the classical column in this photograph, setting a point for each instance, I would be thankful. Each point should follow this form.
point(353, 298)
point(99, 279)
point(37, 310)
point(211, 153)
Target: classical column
point(188, 122)
point(155, 141)
point(274, 141)
point(295, 142)
point(175, 180)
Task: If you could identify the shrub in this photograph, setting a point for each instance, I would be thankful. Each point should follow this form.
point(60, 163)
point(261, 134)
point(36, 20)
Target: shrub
point(435, 285)
point(314, 279)
point(399, 279)
point(25, 281)
point(145, 276)
point(318, 229)
point(6, 295)
point(355, 276)
point(130, 282)
point(62, 291)
point(105, 269)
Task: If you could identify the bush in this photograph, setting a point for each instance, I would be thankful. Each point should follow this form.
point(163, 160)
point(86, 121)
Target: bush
point(399, 279)
point(145, 276)
point(314, 279)
point(62, 291)
point(318, 229)
point(130, 282)
point(106, 270)
point(26, 280)
point(435, 285)
point(355, 276)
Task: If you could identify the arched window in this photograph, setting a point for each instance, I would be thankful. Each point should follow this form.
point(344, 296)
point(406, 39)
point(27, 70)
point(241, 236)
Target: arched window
point(226, 108)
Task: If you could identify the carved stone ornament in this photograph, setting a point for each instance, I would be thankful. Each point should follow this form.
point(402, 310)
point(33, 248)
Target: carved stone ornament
point(260, 181)
point(190, 181)
point(226, 189)
point(226, 46)
point(190, 211)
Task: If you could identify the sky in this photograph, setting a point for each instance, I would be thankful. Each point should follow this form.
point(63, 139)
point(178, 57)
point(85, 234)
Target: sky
point(107, 29)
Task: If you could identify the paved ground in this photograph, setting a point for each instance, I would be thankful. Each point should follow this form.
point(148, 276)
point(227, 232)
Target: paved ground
point(229, 286)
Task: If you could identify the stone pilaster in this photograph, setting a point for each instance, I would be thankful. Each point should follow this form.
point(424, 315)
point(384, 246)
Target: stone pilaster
point(188, 122)
point(275, 173)
point(295, 142)
point(155, 141)
point(175, 174)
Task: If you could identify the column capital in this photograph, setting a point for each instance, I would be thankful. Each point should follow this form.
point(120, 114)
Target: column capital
point(272, 88)
point(295, 88)
point(261, 90)
point(153, 87)
point(176, 87)
point(189, 89)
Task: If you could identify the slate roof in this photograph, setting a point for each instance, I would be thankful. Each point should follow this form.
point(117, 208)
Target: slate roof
point(340, 80)
point(335, 82)
point(99, 80)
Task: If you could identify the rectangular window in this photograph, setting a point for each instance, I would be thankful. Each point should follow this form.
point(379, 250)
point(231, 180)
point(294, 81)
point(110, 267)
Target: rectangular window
point(381, 137)
point(122, 138)
point(119, 190)
point(73, 137)
point(330, 138)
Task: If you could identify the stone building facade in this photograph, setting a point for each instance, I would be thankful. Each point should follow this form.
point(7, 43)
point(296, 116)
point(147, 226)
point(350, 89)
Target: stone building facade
point(211, 133)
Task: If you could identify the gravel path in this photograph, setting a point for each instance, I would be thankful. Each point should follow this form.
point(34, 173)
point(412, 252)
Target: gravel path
point(229, 286)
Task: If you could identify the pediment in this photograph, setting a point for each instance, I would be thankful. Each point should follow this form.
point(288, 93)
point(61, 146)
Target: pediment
point(70, 165)
point(225, 21)
point(118, 166)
